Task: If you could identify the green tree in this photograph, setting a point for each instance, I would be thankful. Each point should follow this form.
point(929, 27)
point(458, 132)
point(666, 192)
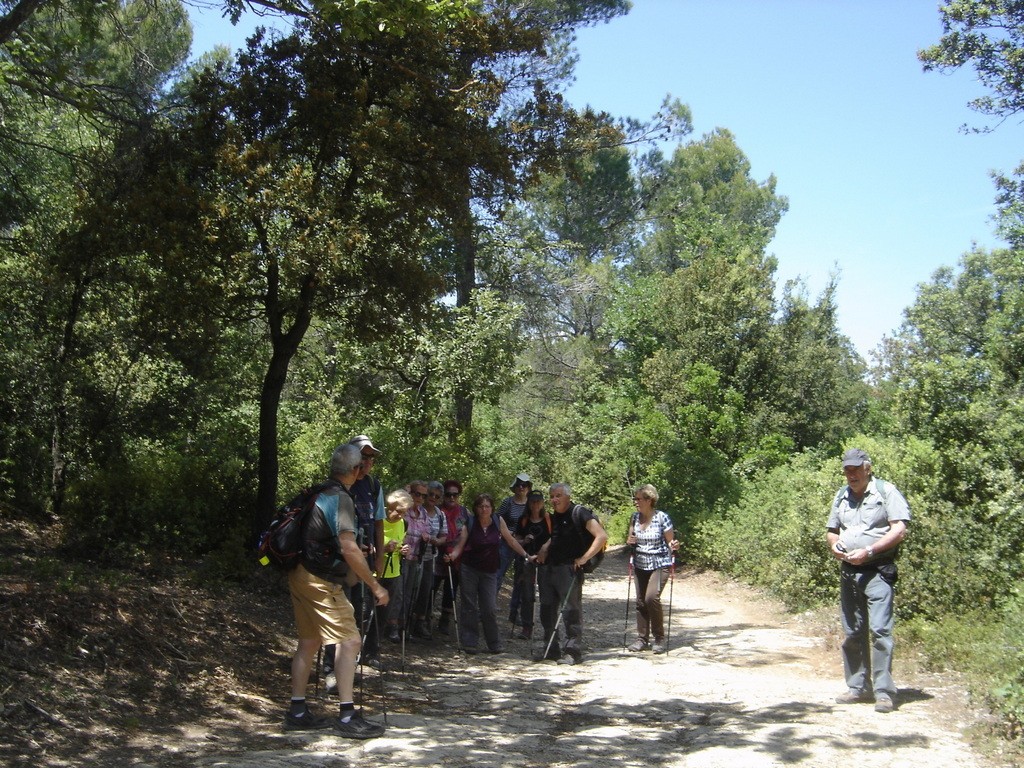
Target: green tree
point(75, 91)
point(324, 185)
point(703, 200)
point(988, 34)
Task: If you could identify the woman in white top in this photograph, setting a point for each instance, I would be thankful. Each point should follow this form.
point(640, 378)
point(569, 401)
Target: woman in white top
point(653, 546)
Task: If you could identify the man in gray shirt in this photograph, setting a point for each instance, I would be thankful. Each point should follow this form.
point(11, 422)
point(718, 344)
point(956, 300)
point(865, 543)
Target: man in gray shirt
point(867, 522)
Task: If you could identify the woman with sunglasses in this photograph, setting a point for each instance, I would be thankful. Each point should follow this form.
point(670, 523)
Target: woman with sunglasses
point(447, 574)
point(435, 536)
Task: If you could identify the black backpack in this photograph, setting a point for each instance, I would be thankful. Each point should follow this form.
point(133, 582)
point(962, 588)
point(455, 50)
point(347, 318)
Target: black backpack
point(284, 543)
point(588, 538)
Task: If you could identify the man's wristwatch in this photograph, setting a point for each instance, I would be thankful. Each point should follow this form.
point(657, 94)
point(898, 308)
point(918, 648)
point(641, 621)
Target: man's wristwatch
point(871, 551)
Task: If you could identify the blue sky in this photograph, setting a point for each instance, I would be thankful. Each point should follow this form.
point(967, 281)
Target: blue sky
point(829, 97)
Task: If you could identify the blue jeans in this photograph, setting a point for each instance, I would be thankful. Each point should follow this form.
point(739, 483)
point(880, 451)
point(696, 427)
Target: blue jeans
point(866, 601)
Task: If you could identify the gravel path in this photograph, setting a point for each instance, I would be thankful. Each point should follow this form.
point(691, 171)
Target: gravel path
point(744, 684)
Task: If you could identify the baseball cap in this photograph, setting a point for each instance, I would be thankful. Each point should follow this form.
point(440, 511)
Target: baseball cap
point(522, 479)
point(855, 457)
point(364, 444)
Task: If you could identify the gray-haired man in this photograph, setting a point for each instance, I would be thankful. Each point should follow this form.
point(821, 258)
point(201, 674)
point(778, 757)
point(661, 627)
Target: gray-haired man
point(561, 579)
point(867, 522)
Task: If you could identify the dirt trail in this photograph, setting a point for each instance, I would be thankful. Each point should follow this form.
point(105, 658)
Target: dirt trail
point(744, 684)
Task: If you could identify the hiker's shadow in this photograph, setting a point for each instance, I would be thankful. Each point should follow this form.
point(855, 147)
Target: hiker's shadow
point(913, 695)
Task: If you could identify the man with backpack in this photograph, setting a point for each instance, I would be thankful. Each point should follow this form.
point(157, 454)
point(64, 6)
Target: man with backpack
point(577, 542)
point(323, 614)
point(369, 501)
point(866, 524)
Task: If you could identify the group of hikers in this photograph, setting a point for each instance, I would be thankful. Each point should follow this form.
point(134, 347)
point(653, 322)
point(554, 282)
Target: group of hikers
point(393, 559)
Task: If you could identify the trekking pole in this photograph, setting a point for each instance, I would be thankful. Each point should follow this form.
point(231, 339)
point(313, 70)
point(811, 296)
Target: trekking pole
point(414, 593)
point(383, 693)
point(632, 552)
point(629, 589)
point(561, 608)
point(455, 612)
point(319, 661)
point(671, 583)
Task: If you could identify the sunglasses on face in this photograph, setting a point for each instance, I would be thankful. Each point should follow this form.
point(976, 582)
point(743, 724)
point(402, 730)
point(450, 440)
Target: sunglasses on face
point(417, 493)
point(451, 494)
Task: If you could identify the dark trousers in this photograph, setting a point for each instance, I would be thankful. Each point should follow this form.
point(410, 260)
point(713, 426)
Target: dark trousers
point(558, 585)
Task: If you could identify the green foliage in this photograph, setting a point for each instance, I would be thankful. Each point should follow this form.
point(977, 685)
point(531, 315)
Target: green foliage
point(774, 535)
point(184, 502)
point(987, 647)
point(987, 34)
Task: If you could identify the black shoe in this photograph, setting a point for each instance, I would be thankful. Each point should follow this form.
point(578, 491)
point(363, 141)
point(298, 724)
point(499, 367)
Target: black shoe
point(358, 728)
point(393, 635)
point(307, 721)
point(571, 657)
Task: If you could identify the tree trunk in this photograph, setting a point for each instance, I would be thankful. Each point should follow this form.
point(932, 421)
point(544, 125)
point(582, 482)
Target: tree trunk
point(284, 345)
point(267, 464)
point(58, 476)
point(464, 231)
point(17, 16)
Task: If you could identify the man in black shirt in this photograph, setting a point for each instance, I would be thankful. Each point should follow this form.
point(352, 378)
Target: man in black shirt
point(576, 537)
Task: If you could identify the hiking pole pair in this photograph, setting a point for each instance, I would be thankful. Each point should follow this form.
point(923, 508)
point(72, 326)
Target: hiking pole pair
point(409, 603)
point(561, 610)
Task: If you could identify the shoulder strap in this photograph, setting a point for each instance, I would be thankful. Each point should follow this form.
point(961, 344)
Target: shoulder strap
point(880, 487)
point(839, 494)
point(576, 515)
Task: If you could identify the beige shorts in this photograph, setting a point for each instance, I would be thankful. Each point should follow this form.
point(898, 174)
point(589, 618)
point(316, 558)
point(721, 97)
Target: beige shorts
point(322, 612)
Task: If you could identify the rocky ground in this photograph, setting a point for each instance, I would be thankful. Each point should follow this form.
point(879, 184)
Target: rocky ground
point(744, 684)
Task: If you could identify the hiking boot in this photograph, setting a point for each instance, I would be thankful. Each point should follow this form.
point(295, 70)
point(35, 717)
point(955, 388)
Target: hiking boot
point(496, 649)
point(884, 703)
point(393, 635)
point(420, 630)
point(443, 625)
point(470, 649)
point(307, 721)
point(638, 645)
point(571, 657)
point(853, 696)
point(526, 633)
point(358, 728)
point(658, 646)
point(373, 662)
